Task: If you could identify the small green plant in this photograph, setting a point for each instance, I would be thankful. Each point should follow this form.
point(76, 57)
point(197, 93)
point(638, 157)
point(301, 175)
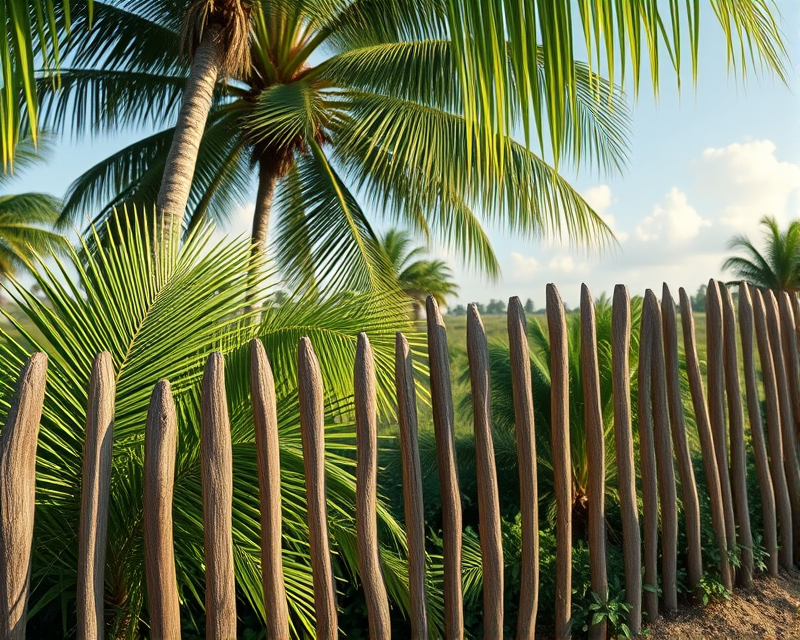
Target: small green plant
point(613, 610)
point(710, 588)
point(760, 553)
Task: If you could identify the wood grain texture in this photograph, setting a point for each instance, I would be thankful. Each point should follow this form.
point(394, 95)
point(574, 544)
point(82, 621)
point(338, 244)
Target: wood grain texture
point(412, 486)
point(647, 466)
point(791, 357)
point(312, 428)
point(488, 498)
point(623, 444)
point(160, 446)
point(790, 462)
point(369, 562)
point(216, 469)
point(443, 426)
point(18, 442)
point(596, 456)
point(562, 460)
point(768, 516)
point(522, 389)
point(667, 494)
point(705, 436)
point(715, 354)
point(96, 483)
point(733, 392)
point(773, 416)
point(677, 420)
point(265, 420)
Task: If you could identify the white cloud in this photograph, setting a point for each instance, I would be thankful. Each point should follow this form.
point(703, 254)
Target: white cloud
point(673, 220)
point(565, 263)
point(600, 198)
point(523, 267)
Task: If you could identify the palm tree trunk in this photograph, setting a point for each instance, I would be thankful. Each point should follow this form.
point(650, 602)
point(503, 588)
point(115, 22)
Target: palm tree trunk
point(197, 96)
point(269, 171)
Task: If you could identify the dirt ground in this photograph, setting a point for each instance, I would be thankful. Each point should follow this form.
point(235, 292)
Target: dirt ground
point(768, 611)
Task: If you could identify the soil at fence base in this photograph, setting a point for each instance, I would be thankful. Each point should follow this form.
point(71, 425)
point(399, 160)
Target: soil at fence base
point(768, 611)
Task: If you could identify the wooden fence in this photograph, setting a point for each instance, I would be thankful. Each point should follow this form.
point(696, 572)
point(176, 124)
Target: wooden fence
point(766, 323)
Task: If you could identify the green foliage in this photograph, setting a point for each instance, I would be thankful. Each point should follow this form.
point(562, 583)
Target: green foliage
point(710, 589)
point(160, 317)
point(611, 609)
point(777, 266)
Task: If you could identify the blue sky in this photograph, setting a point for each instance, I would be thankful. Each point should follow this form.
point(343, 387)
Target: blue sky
point(704, 165)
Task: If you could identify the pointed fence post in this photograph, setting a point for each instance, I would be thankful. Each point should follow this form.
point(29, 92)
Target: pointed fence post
point(93, 526)
point(443, 426)
point(160, 446)
point(706, 437)
point(265, 420)
point(791, 358)
point(18, 495)
point(691, 504)
point(562, 460)
point(596, 458)
point(412, 486)
point(733, 392)
point(526, 462)
point(488, 497)
point(312, 428)
point(757, 430)
point(773, 415)
point(623, 443)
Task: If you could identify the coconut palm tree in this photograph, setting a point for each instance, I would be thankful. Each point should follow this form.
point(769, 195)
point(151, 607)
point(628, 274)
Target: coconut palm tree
point(777, 266)
point(417, 276)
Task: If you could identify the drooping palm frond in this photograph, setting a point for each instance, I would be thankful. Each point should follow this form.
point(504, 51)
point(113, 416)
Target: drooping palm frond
point(777, 266)
point(25, 228)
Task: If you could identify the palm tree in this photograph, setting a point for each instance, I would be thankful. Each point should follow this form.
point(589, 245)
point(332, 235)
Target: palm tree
point(417, 276)
point(777, 267)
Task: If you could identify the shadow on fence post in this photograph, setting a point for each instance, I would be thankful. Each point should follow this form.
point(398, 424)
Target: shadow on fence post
point(18, 495)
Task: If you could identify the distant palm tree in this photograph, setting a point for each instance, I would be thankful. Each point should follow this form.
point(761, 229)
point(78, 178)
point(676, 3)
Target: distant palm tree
point(417, 277)
point(778, 266)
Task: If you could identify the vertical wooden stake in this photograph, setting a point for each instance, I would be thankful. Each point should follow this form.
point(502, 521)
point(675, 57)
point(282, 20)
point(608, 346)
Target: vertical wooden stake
point(93, 526)
point(526, 461)
point(647, 461)
point(715, 330)
point(779, 484)
point(757, 430)
point(562, 460)
point(706, 437)
point(488, 497)
point(667, 494)
point(312, 427)
point(691, 504)
point(443, 425)
point(791, 357)
point(18, 495)
point(738, 457)
point(216, 468)
point(596, 450)
point(265, 420)
point(412, 486)
point(160, 446)
point(369, 562)
point(623, 443)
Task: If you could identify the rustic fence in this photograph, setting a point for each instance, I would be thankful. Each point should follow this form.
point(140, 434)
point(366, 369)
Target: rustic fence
point(766, 324)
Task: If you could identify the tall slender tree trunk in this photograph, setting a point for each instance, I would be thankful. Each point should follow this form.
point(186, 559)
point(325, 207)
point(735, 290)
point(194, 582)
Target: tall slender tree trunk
point(270, 170)
point(197, 97)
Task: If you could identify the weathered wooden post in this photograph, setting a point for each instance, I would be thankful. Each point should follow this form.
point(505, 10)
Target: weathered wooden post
point(526, 455)
point(596, 450)
point(265, 420)
point(443, 425)
point(757, 430)
point(779, 485)
point(667, 494)
point(623, 442)
point(562, 459)
point(95, 487)
point(647, 462)
point(791, 357)
point(715, 351)
point(369, 562)
point(738, 457)
point(412, 486)
point(216, 468)
point(488, 498)
point(312, 430)
point(18, 495)
point(691, 504)
point(706, 437)
point(160, 446)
